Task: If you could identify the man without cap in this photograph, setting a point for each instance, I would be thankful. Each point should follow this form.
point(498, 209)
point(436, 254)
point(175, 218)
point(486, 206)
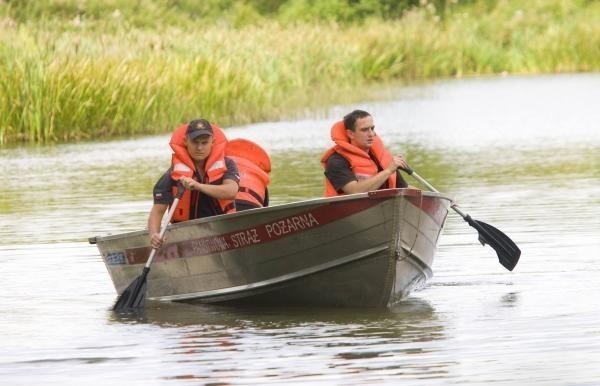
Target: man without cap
point(359, 162)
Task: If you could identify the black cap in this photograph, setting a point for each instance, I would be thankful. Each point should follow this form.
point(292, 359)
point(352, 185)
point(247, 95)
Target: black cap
point(198, 127)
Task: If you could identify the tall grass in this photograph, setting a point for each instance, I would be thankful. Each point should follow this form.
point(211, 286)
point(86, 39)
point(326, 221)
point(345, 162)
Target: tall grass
point(69, 78)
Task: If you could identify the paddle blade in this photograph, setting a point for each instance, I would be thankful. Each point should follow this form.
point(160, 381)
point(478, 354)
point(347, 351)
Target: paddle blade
point(507, 251)
point(134, 295)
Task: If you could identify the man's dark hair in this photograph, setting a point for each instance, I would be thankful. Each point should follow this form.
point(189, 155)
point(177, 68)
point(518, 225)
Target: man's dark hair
point(351, 118)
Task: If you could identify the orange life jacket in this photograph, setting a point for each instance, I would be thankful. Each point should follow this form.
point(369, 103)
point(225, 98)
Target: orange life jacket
point(183, 165)
point(361, 163)
point(253, 165)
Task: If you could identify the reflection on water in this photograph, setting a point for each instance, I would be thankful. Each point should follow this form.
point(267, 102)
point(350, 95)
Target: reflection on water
point(167, 314)
point(510, 299)
point(520, 153)
point(345, 341)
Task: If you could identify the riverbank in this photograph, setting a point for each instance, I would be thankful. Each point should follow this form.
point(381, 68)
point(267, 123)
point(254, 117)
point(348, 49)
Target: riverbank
point(70, 77)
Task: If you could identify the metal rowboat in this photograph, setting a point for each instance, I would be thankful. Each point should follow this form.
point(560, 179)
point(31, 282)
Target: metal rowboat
point(360, 250)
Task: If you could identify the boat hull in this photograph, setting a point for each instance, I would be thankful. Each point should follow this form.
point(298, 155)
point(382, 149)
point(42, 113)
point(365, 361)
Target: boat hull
point(362, 250)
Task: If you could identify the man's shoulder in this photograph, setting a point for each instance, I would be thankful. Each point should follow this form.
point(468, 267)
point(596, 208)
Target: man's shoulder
point(337, 160)
point(232, 172)
point(230, 163)
point(165, 179)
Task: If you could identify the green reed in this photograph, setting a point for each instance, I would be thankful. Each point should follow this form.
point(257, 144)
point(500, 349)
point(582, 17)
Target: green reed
point(70, 79)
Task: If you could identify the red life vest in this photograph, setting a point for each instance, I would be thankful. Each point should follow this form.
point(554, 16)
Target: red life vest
point(183, 165)
point(361, 163)
point(253, 165)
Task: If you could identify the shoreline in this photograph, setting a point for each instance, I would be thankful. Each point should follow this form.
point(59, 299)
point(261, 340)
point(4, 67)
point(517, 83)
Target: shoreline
point(104, 79)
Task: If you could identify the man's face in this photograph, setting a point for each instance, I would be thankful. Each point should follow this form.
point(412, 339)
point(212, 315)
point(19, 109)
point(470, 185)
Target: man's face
point(199, 147)
point(363, 135)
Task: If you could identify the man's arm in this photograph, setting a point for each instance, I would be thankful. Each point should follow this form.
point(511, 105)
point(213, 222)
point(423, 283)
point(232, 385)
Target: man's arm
point(225, 191)
point(163, 196)
point(368, 184)
point(154, 220)
point(374, 182)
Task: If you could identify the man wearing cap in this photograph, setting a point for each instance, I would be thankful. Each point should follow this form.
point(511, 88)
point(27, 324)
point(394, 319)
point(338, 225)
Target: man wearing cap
point(211, 180)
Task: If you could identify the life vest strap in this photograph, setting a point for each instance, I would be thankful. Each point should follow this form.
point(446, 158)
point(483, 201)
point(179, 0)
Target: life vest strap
point(252, 193)
point(245, 204)
point(229, 207)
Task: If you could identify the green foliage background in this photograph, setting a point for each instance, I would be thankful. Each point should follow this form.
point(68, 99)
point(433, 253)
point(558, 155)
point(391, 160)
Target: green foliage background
point(77, 69)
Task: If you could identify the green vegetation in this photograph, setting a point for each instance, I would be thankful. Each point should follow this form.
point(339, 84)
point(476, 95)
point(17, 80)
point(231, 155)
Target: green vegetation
point(76, 69)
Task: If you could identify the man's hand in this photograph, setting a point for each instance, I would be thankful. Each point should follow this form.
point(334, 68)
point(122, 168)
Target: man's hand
point(156, 241)
point(398, 162)
point(189, 183)
point(154, 219)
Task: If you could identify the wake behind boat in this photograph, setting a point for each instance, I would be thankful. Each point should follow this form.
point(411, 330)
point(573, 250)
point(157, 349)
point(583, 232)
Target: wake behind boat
point(360, 250)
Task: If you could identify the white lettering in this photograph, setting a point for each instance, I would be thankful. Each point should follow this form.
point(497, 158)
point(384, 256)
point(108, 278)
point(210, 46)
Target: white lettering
point(244, 238)
point(284, 227)
point(212, 244)
point(297, 223)
point(313, 220)
point(291, 225)
point(253, 235)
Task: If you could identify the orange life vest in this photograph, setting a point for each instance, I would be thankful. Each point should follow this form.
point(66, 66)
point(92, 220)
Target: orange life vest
point(253, 165)
point(183, 165)
point(361, 163)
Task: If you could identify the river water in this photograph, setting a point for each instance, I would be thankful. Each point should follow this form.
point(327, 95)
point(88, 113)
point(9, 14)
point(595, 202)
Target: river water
point(520, 153)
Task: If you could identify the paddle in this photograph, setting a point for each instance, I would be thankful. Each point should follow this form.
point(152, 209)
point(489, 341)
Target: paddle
point(135, 294)
point(507, 251)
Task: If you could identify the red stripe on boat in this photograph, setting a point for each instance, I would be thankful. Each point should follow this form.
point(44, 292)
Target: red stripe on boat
point(428, 204)
point(287, 226)
point(263, 233)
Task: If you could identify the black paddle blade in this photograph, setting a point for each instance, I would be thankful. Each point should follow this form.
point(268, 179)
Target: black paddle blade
point(507, 250)
point(134, 295)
